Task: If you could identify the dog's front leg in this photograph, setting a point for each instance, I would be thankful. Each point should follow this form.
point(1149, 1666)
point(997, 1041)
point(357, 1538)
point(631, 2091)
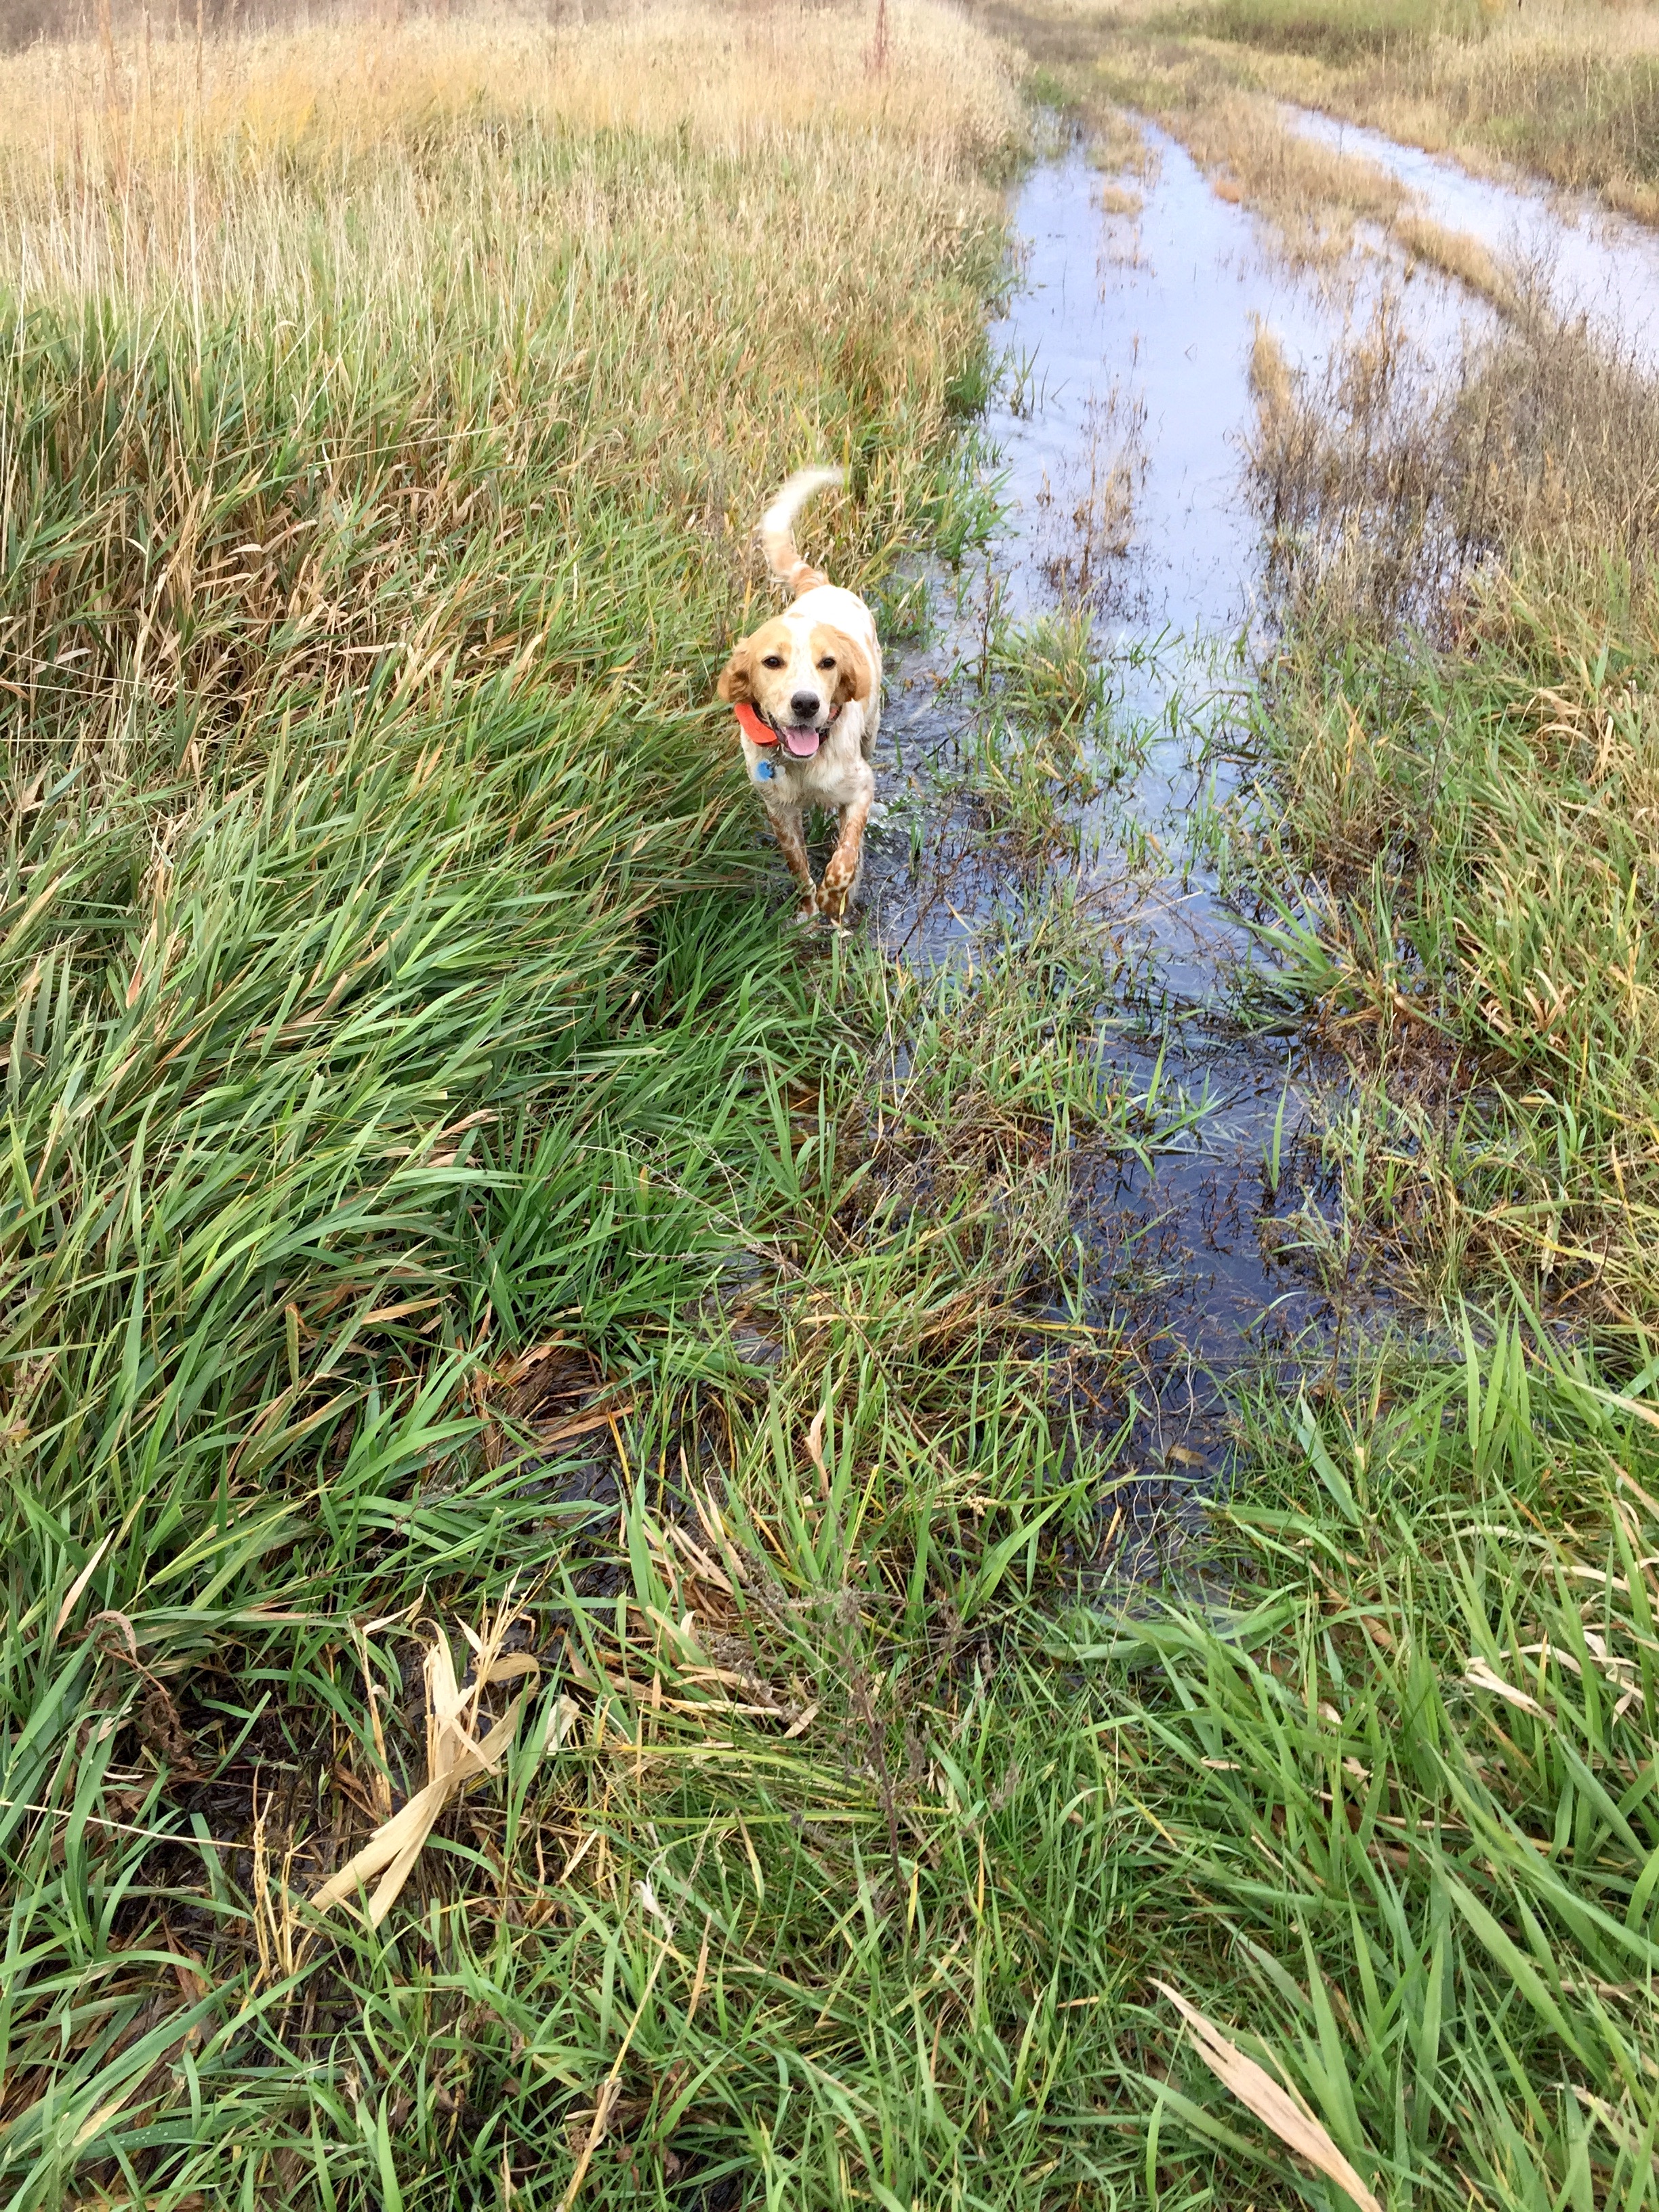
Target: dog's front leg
point(842, 873)
point(787, 829)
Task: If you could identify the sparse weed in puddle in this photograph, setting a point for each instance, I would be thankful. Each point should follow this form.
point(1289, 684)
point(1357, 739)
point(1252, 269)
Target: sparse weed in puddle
point(1043, 699)
point(1053, 675)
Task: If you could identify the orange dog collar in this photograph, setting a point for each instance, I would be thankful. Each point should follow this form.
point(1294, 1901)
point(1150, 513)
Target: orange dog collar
point(751, 725)
point(762, 734)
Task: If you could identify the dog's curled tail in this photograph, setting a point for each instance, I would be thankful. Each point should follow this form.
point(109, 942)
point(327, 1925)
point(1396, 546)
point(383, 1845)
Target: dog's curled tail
point(777, 529)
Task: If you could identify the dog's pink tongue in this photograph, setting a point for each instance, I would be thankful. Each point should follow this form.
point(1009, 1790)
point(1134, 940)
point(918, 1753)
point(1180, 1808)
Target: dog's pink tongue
point(802, 743)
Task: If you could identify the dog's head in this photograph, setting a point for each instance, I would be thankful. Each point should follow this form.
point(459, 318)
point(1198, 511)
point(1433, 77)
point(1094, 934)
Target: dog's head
point(796, 675)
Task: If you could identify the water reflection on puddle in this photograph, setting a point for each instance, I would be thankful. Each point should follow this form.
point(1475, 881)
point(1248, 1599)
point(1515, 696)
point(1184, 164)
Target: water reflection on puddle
point(1121, 437)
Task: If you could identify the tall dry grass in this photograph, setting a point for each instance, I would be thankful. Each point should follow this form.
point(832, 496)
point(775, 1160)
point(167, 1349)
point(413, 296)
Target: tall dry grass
point(163, 169)
point(734, 78)
point(408, 272)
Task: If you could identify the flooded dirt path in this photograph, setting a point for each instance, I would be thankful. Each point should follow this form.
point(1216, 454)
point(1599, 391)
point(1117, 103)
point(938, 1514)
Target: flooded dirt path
point(1120, 439)
point(1587, 261)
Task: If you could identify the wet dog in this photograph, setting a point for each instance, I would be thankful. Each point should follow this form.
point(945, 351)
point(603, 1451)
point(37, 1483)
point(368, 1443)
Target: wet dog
point(807, 688)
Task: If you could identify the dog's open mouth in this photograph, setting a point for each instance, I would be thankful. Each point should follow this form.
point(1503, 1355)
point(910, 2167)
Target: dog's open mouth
point(802, 738)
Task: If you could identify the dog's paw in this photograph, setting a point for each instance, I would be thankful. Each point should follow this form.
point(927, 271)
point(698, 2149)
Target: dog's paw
point(835, 891)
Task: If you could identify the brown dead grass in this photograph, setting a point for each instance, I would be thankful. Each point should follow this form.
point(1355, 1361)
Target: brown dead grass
point(1454, 253)
point(1221, 97)
point(1569, 91)
point(1311, 196)
point(731, 78)
point(1271, 380)
point(1566, 88)
point(1391, 481)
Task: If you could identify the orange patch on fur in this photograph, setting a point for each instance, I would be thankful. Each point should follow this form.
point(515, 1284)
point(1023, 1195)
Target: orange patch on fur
point(852, 673)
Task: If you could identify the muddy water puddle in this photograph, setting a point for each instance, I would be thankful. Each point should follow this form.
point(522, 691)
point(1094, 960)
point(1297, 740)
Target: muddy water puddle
point(1120, 443)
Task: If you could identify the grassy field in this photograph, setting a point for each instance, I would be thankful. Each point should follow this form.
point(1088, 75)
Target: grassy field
point(472, 1274)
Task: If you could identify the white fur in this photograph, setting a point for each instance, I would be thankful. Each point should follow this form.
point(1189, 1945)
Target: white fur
point(839, 774)
point(777, 529)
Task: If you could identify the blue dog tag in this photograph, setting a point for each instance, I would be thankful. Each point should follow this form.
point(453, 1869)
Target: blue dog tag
point(764, 771)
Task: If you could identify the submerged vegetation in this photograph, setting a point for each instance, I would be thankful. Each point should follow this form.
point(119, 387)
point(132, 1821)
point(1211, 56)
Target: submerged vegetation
point(475, 1285)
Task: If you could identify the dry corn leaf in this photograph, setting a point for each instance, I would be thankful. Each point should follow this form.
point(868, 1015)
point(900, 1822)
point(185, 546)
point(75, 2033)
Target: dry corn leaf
point(454, 1756)
point(537, 1352)
point(580, 1425)
point(1479, 1676)
point(701, 1562)
point(815, 1450)
point(562, 1723)
point(1270, 2103)
point(79, 1585)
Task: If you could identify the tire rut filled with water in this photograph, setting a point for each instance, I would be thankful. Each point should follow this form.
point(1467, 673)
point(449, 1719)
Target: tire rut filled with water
point(1070, 780)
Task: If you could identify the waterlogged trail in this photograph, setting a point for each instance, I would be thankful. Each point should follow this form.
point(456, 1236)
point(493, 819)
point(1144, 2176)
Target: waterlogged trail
point(1587, 261)
point(1120, 439)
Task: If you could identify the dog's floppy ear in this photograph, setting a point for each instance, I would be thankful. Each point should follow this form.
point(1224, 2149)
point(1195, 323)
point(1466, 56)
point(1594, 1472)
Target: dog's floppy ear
point(854, 673)
point(733, 685)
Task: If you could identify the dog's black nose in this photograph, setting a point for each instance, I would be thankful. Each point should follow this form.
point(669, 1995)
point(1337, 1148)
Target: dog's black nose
point(804, 706)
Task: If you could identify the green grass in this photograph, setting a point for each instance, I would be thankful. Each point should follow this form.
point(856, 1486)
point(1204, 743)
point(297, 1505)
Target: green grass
point(443, 1195)
point(1430, 1893)
point(1478, 827)
point(912, 1955)
point(391, 985)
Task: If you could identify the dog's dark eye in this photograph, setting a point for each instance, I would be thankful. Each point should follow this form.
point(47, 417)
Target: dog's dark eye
point(828, 661)
point(772, 660)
